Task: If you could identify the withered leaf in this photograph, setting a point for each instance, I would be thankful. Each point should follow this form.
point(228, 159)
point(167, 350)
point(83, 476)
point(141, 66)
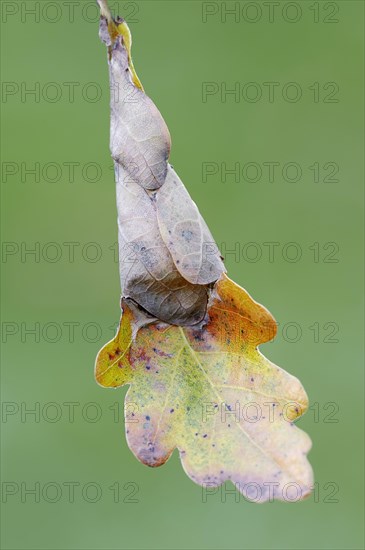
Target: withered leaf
point(186, 234)
point(167, 253)
point(139, 138)
point(212, 395)
point(148, 273)
point(189, 336)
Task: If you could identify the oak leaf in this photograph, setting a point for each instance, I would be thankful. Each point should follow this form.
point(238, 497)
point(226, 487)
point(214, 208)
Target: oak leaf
point(188, 338)
point(210, 393)
point(167, 255)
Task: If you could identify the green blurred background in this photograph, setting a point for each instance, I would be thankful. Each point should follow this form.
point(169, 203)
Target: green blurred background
point(316, 297)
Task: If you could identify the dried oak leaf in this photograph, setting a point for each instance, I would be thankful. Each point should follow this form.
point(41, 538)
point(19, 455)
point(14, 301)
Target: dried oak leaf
point(210, 393)
point(188, 337)
point(167, 255)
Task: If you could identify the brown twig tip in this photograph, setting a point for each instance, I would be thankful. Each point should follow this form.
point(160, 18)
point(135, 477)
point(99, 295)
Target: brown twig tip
point(104, 9)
